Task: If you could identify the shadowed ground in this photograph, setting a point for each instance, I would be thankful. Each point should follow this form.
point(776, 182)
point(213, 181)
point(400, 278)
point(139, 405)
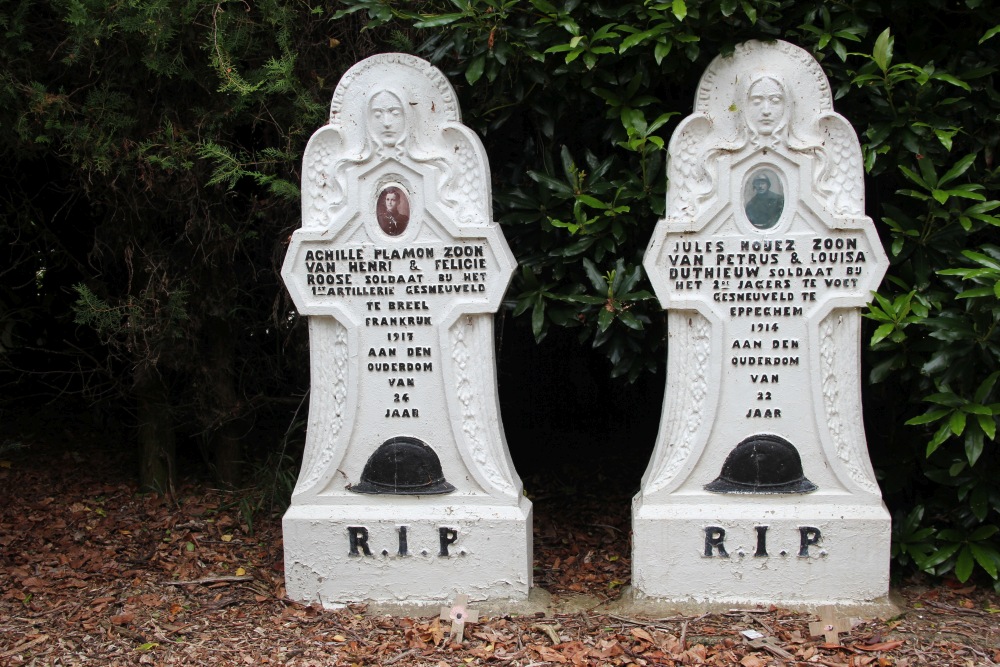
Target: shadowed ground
point(92, 572)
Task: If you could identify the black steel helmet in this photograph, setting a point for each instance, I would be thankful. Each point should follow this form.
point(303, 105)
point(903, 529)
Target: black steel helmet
point(403, 466)
point(762, 463)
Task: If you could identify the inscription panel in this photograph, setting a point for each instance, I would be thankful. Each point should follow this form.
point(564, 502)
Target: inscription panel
point(764, 292)
point(398, 297)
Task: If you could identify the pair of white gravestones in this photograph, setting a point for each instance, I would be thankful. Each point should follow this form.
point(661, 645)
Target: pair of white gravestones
point(760, 487)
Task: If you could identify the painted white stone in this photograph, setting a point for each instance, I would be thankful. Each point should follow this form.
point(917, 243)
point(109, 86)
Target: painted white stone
point(400, 267)
point(763, 293)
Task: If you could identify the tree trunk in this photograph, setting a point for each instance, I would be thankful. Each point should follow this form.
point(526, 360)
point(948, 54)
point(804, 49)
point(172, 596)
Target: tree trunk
point(228, 455)
point(226, 444)
point(155, 432)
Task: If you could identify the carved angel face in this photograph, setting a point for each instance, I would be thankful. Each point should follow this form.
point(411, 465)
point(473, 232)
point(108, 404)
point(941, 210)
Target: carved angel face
point(386, 119)
point(766, 106)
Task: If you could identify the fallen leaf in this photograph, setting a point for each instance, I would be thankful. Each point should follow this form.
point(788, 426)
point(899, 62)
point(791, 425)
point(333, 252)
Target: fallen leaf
point(123, 619)
point(697, 654)
point(436, 631)
point(34, 583)
point(884, 646)
point(607, 648)
point(546, 653)
point(639, 633)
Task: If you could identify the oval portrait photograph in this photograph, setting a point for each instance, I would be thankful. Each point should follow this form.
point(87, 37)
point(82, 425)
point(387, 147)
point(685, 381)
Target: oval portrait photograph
point(393, 210)
point(763, 198)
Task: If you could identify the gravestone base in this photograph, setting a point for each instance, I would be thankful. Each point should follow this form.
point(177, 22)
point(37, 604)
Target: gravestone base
point(489, 551)
point(845, 549)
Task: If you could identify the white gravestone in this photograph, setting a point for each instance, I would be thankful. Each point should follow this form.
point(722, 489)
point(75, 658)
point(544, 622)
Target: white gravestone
point(760, 488)
point(406, 492)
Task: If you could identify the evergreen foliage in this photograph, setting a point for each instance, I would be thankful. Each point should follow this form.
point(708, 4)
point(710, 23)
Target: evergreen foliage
point(152, 178)
point(576, 100)
point(153, 150)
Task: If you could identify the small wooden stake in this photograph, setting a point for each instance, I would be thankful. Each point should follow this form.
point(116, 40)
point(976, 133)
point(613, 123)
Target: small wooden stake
point(829, 625)
point(770, 645)
point(459, 614)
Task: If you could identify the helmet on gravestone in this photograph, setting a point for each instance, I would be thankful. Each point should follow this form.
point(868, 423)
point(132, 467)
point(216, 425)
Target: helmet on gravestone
point(762, 463)
point(403, 466)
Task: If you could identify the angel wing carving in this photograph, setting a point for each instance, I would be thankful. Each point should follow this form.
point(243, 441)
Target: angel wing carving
point(322, 189)
point(467, 186)
point(840, 181)
point(689, 183)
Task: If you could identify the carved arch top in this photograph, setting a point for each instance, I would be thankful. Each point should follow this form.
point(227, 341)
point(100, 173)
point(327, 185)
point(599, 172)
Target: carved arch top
point(414, 79)
point(724, 90)
point(394, 107)
point(764, 96)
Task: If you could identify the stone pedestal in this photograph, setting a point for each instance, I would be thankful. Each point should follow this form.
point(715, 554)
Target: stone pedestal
point(420, 553)
point(751, 554)
point(406, 492)
point(760, 488)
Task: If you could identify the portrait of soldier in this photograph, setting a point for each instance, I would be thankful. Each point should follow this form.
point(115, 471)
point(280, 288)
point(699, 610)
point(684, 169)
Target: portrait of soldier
point(764, 207)
point(393, 211)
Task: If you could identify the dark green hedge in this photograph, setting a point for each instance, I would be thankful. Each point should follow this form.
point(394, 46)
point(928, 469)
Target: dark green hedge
point(151, 168)
point(576, 100)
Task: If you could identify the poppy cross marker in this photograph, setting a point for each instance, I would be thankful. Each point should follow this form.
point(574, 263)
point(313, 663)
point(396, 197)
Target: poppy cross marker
point(459, 614)
point(829, 625)
point(770, 645)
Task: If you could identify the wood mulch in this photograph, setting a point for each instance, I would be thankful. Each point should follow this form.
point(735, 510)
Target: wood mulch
point(93, 572)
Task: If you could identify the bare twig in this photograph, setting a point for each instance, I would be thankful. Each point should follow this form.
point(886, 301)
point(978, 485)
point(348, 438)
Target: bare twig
point(658, 623)
point(550, 630)
point(24, 647)
point(208, 580)
point(959, 610)
point(767, 627)
point(399, 657)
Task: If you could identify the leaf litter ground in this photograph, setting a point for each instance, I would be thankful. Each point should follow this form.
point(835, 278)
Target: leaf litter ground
point(93, 572)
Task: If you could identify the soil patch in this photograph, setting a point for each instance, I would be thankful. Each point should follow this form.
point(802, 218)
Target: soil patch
point(93, 572)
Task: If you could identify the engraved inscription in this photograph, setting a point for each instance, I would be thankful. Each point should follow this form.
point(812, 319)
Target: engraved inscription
point(447, 538)
point(766, 278)
point(404, 289)
point(808, 536)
